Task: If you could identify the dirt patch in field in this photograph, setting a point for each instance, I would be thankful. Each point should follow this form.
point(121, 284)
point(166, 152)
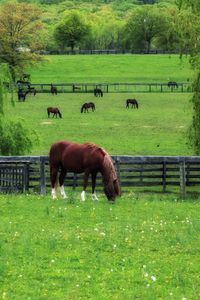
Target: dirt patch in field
point(46, 123)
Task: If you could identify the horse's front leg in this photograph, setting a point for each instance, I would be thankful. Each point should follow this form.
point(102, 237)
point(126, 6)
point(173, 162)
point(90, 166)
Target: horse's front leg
point(94, 176)
point(85, 183)
point(53, 177)
point(61, 182)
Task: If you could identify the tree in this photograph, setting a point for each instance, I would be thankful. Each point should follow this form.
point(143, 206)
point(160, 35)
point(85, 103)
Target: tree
point(72, 30)
point(14, 137)
point(20, 28)
point(143, 26)
point(106, 29)
point(190, 9)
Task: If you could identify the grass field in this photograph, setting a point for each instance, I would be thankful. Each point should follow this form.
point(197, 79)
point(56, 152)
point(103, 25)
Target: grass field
point(158, 127)
point(143, 247)
point(111, 68)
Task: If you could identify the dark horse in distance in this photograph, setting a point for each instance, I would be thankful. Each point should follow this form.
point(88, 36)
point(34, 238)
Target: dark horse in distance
point(22, 95)
point(172, 84)
point(85, 158)
point(98, 92)
point(54, 90)
point(132, 102)
point(55, 111)
point(85, 107)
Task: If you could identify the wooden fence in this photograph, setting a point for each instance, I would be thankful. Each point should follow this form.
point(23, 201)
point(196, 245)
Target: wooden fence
point(115, 87)
point(31, 174)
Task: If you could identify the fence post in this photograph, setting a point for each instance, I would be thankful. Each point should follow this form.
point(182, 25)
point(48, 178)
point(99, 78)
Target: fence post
point(182, 179)
point(42, 176)
point(164, 176)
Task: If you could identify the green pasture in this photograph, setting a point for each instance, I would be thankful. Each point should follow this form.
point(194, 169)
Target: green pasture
point(142, 247)
point(111, 69)
point(158, 127)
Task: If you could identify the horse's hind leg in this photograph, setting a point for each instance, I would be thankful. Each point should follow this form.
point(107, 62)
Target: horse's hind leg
point(61, 182)
point(94, 196)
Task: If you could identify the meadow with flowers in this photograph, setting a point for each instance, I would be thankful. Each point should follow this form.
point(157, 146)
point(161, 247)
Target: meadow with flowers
point(145, 246)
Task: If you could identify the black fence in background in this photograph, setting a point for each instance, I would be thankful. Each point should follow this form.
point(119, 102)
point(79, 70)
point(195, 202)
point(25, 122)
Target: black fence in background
point(31, 173)
point(115, 87)
point(107, 51)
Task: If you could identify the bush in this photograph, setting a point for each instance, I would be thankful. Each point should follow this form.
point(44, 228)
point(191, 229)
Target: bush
point(14, 138)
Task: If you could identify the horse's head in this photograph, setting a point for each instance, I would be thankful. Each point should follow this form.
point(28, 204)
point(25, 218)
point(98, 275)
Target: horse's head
point(112, 189)
point(110, 180)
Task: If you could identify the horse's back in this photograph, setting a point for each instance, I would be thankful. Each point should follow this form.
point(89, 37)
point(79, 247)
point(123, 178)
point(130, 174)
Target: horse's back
point(76, 157)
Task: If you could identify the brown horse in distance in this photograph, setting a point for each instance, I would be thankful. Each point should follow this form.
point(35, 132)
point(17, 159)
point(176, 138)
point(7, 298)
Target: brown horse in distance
point(55, 111)
point(85, 107)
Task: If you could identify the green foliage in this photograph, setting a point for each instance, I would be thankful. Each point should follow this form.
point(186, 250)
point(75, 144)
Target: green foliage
point(144, 25)
point(142, 247)
point(71, 31)
point(14, 138)
point(20, 28)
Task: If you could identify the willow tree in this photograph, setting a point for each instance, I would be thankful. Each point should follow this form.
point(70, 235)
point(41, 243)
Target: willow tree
point(15, 139)
point(191, 37)
point(20, 28)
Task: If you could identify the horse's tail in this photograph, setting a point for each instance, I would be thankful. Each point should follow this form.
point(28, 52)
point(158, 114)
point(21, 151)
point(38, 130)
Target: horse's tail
point(82, 108)
point(137, 105)
point(60, 115)
point(127, 103)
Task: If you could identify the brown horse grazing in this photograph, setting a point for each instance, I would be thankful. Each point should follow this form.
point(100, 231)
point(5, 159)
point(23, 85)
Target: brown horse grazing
point(88, 105)
point(83, 158)
point(133, 102)
point(55, 111)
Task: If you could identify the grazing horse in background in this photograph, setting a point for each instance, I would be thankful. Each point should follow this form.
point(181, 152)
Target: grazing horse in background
point(54, 89)
point(22, 95)
point(31, 90)
point(55, 111)
point(172, 84)
point(85, 158)
point(88, 105)
point(98, 92)
point(133, 103)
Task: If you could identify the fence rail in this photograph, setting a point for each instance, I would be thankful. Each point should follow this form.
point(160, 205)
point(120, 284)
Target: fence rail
point(115, 87)
point(108, 51)
point(31, 173)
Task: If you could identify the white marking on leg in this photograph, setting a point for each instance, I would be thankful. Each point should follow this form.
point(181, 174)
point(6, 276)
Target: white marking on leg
point(83, 196)
point(53, 193)
point(62, 191)
point(94, 197)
